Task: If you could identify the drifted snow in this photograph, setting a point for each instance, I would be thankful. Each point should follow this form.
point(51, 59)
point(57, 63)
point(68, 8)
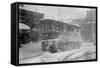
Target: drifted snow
point(61, 56)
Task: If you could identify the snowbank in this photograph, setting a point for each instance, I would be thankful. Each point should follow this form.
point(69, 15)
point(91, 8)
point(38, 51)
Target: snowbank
point(63, 56)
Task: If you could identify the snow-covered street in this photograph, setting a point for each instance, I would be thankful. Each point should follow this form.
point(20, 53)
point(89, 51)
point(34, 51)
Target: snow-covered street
point(71, 55)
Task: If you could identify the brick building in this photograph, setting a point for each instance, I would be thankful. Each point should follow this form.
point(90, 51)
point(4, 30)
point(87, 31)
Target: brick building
point(30, 18)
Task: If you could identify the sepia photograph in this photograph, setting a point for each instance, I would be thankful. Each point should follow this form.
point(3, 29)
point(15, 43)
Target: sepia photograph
point(56, 34)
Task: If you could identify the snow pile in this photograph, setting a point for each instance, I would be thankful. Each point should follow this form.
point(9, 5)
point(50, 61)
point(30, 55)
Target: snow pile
point(71, 55)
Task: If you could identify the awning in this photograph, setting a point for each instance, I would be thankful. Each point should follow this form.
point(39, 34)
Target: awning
point(23, 26)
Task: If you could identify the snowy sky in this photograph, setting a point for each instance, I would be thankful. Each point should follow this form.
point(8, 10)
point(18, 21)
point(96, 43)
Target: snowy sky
point(58, 13)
